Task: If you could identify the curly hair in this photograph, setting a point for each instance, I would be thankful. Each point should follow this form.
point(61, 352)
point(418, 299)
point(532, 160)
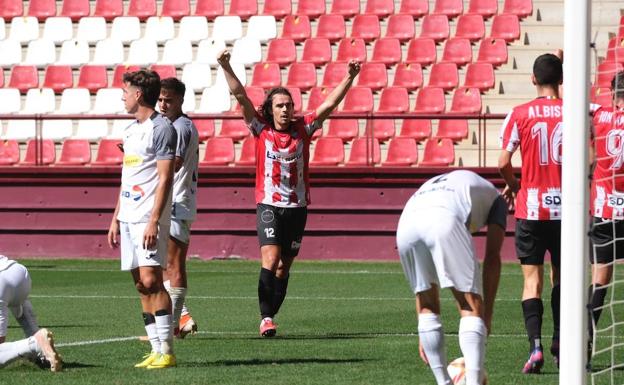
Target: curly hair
point(266, 109)
point(148, 82)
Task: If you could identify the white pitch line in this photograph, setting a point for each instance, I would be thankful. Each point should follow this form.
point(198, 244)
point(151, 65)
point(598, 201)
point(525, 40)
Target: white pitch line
point(95, 342)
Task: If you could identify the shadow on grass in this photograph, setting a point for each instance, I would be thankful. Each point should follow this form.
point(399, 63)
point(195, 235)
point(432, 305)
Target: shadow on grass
point(308, 336)
point(284, 361)
point(77, 365)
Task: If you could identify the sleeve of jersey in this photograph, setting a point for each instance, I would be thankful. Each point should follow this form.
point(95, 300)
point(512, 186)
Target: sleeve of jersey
point(165, 142)
point(510, 137)
point(184, 138)
point(498, 213)
point(310, 123)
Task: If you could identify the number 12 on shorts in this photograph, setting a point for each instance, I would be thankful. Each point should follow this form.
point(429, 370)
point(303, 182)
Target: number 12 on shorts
point(269, 232)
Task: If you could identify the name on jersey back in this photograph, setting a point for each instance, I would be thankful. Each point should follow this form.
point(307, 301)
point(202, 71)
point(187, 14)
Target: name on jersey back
point(544, 111)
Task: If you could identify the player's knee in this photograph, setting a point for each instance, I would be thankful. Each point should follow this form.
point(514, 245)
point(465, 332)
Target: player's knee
point(147, 286)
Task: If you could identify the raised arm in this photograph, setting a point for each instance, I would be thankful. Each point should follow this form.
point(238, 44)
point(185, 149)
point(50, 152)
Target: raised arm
point(335, 97)
point(236, 88)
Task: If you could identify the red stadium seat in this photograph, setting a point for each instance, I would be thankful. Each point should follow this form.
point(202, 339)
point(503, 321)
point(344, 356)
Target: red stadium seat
point(373, 76)
point(295, 93)
point(430, 100)
point(393, 100)
point(248, 152)
point(331, 27)
point(277, 8)
point(346, 8)
point(9, 152)
point(10, 9)
point(615, 49)
point(255, 94)
point(234, 129)
point(604, 73)
point(416, 8)
point(75, 9)
point(328, 151)
point(358, 99)
point(421, 51)
point(401, 27)
point(205, 128)
point(364, 152)
point(93, 77)
point(108, 9)
point(176, 9)
point(210, 9)
point(382, 129)
point(621, 27)
point(521, 8)
point(453, 129)
point(266, 75)
point(243, 8)
point(118, 73)
point(387, 51)
point(351, 49)
point(311, 8)
point(408, 76)
point(485, 8)
point(366, 27)
point(316, 51)
point(457, 50)
point(402, 152)
point(164, 70)
point(296, 27)
point(58, 77)
point(438, 152)
point(506, 27)
point(302, 76)
point(281, 51)
point(48, 152)
point(345, 129)
point(142, 8)
point(418, 129)
point(219, 152)
point(317, 96)
point(42, 9)
point(75, 152)
point(435, 27)
point(1, 77)
point(109, 153)
point(493, 51)
point(601, 95)
point(470, 27)
point(479, 75)
point(450, 8)
point(24, 77)
point(380, 8)
point(444, 75)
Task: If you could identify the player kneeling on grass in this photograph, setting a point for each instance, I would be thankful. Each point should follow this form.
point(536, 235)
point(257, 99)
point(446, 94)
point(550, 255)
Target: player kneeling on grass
point(38, 347)
point(184, 207)
point(143, 213)
point(436, 248)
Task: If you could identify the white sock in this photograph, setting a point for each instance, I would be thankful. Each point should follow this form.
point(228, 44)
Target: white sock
point(152, 335)
point(177, 295)
point(431, 337)
point(185, 310)
point(472, 335)
point(165, 333)
point(10, 351)
point(25, 316)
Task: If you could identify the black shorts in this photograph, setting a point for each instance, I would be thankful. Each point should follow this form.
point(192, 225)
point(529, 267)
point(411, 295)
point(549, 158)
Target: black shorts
point(602, 234)
point(281, 226)
point(534, 238)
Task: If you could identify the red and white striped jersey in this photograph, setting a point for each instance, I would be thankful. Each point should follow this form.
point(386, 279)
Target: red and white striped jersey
point(607, 191)
point(536, 128)
point(282, 162)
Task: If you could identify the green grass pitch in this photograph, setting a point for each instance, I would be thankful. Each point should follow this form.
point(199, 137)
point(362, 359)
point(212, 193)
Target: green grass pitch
point(341, 323)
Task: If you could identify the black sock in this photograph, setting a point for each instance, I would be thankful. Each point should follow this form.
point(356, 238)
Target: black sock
point(280, 292)
point(597, 296)
point(148, 318)
point(555, 301)
point(533, 310)
point(266, 292)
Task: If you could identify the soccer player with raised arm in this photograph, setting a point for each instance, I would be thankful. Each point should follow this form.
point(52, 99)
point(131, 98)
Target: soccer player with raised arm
point(607, 199)
point(437, 251)
point(536, 128)
point(143, 213)
point(282, 180)
point(38, 346)
point(184, 202)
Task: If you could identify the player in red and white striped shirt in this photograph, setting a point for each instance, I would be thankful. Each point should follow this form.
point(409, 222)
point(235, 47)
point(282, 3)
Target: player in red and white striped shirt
point(536, 128)
point(282, 180)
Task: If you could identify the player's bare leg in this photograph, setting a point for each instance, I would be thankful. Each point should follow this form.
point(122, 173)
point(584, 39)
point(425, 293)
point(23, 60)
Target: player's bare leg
point(472, 334)
point(533, 309)
point(266, 288)
point(431, 334)
point(175, 281)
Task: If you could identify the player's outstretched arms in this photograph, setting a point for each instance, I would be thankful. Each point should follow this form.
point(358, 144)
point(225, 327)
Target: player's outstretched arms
point(491, 270)
point(235, 86)
point(335, 97)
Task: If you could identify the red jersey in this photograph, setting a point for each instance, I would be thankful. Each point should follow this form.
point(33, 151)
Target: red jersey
point(282, 162)
point(607, 190)
point(536, 128)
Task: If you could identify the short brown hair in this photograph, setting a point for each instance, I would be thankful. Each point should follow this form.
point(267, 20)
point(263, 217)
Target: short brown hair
point(173, 84)
point(148, 82)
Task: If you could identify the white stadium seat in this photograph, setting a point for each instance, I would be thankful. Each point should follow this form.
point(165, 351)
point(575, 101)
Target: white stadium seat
point(119, 125)
point(246, 51)
point(24, 29)
point(75, 101)
point(39, 101)
point(126, 29)
point(91, 29)
point(177, 52)
point(207, 51)
point(108, 52)
point(227, 28)
point(74, 53)
point(11, 100)
point(262, 28)
point(239, 70)
point(189, 104)
point(56, 130)
point(197, 76)
point(159, 28)
point(20, 130)
point(193, 28)
point(108, 101)
point(40, 53)
point(143, 52)
point(11, 53)
point(93, 130)
point(58, 29)
point(215, 99)
point(2, 29)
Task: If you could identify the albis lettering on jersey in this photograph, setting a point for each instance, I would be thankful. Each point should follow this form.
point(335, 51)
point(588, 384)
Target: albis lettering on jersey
point(544, 111)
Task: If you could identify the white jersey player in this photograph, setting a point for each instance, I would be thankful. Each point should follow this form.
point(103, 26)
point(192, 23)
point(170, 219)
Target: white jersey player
point(436, 249)
point(38, 346)
point(184, 208)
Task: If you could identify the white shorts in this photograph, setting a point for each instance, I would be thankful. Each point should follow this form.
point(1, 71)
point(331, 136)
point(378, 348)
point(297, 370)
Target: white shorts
point(436, 248)
point(133, 254)
point(181, 230)
point(15, 287)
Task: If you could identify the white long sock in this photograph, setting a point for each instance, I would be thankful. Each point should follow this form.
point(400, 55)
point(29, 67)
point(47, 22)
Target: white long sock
point(472, 335)
point(152, 335)
point(185, 310)
point(431, 337)
point(10, 351)
point(165, 333)
point(177, 295)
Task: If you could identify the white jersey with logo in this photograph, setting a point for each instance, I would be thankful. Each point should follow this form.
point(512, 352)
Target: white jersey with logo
point(144, 144)
point(185, 179)
point(462, 192)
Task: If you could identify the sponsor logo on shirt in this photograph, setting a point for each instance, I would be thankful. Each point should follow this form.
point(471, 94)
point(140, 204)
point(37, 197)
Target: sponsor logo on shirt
point(132, 160)
point(551, 198)
point(615, 201)
point(285, 158)
point(135, 194)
